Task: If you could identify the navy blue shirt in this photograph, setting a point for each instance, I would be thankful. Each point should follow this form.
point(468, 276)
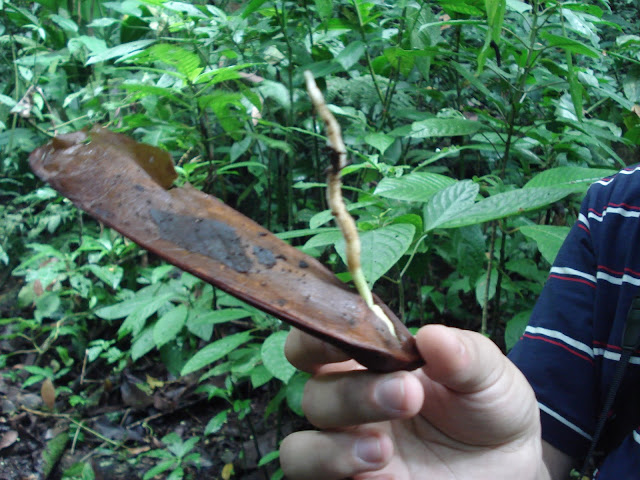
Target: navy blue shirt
point(570, 349)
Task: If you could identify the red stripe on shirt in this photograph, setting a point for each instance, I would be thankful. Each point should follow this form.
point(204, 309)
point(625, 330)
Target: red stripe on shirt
point(584, 227)
point(561, 345)
point(625, 205)
point(570, 279)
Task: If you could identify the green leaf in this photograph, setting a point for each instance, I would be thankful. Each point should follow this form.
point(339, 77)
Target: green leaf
point(252, 6)
point(507, 204)
point(295, 391)
point(143, 344)
point(53, 452)
point(518, 6)
point(351, 54)
point(64, 23)
point(215, 351)
point(481, 287)
point(324, 216)
point(548, 238)
point(135, 320)
point(324, 8)
point(273, 356)
point(577, 179)
point(169, 325)
point(515, 328)
point(216, 423)
point(449, 203)
point(184, 61)
point(379, 141)
point(381, 249)
point(269, 457)
point(570, 45)
point(109, 274)
point(120, 52)
point(439, 127)
point(415, 187)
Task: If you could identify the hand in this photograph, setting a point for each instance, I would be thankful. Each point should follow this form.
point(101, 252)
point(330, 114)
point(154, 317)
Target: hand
point(468, 414)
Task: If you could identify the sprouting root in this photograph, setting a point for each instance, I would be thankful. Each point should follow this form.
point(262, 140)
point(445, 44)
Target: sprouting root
point(336, 203)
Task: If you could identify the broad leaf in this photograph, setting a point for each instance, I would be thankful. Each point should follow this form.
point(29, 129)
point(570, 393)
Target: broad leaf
point(379, 141)
point(169, 325)
point(506, 204)
point(570, 45)
point(273, 356)
point(415, 187)
point(482, 295)
point(120, 52)
point(323, 217)
point(577, 179)
point(548, 238)
point(135, 320)
point(351, 54)
point(143, 344)
point(441, 127)
point(449, 203)
point(215, 351)
point(515, 328)
point(381, 249)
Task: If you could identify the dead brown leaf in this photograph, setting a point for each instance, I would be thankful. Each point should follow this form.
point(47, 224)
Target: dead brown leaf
point(8, 439)
point(48, 393)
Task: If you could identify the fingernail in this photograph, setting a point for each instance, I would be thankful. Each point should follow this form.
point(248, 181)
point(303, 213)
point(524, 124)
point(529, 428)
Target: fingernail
point(390, 394)
point(368, 450)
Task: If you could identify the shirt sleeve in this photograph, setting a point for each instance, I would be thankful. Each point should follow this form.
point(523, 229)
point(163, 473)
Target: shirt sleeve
point(555, 352)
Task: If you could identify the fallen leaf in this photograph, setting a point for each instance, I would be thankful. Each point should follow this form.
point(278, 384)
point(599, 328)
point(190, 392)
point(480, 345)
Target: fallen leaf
point(636, 109)
point(227, 471)
point(48, 393)
point(8, 439)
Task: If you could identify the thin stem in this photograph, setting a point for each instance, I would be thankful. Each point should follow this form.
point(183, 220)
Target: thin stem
point(366, 51)
point(485, 306)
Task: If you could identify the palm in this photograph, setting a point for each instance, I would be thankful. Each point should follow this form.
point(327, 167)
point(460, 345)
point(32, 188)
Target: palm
point(461, 436)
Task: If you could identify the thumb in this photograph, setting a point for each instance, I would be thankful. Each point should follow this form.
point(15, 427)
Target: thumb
point(472, 391)
point(463, 361)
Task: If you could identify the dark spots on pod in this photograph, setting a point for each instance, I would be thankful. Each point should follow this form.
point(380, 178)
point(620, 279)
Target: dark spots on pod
point(139, 187)
point(303, 264)
point(264, 256)
point(205, 236)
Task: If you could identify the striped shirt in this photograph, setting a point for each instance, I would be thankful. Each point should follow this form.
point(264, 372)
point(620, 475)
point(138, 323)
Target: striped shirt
point(570, 349)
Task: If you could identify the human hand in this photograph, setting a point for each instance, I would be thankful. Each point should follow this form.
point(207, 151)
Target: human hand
point(467, 414)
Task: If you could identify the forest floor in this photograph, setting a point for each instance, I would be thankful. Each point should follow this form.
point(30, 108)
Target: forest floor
point(117, 432)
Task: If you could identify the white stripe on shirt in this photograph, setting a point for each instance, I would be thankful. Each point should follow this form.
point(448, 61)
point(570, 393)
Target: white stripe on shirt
point(562, 337)
point(564, 421)
point(618, 280)
point(619, 210)
point(621, 172)
point(584, 220)
point(574, 272)
point(614, 356)
point(636, 436)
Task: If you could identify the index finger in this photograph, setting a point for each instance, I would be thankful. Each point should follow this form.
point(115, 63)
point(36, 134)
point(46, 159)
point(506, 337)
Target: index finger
point(311, 354)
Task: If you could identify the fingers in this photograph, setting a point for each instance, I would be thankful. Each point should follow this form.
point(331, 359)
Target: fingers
point(360, 397)
point(461, 360)
point(334, 455)
point(308, 353)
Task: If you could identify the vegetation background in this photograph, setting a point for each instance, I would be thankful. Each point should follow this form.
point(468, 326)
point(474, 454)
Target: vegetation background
point(474, 128)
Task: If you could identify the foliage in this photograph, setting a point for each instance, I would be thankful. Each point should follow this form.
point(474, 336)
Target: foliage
point(473, 128)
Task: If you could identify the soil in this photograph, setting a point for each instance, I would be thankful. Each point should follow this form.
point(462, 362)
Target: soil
point(115, 439)
point(116, 430)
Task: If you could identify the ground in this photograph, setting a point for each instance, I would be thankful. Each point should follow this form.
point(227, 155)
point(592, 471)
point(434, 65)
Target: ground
point(118, 432)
